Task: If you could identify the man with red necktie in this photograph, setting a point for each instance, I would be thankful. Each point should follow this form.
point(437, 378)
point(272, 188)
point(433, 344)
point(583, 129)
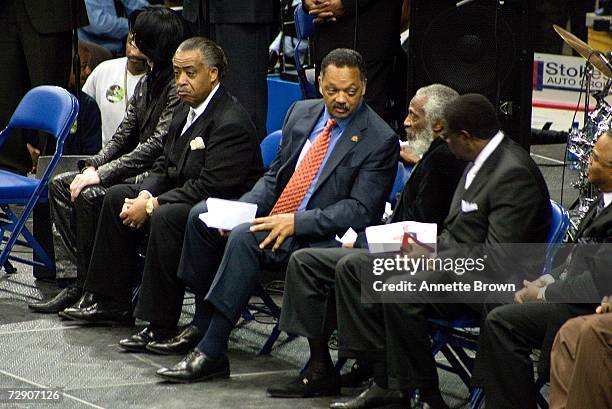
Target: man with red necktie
point(334, 169)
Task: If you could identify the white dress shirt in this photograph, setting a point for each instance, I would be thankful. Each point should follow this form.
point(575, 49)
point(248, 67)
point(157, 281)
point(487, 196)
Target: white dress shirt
point(482, 157)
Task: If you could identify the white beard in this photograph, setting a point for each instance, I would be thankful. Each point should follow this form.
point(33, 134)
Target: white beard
point(419, 141)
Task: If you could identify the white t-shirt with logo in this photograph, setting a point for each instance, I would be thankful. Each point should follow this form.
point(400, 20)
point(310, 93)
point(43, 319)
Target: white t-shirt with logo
point(107, 85)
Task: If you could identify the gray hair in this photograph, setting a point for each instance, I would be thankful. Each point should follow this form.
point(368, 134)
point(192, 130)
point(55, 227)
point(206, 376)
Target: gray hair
point(438, 96)
point(212, 53)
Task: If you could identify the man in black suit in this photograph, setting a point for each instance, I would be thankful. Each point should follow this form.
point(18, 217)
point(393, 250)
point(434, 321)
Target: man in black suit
point(371, 27)
point(211, 151)
point(502, 198)
point(334, 168)
point(243, 29)
point(308, 303)
point(511, 331)
point(35, 46)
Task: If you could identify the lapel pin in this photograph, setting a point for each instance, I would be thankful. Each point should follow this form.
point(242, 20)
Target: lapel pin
point(354, 138)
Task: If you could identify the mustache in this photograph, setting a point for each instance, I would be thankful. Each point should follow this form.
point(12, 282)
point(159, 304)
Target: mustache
point(340, 106)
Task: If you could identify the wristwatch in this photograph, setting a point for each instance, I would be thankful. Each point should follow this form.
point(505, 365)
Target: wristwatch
point(149, 206)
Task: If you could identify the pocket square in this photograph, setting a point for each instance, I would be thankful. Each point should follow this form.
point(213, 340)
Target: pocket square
point(197, 143)
point(467, 207)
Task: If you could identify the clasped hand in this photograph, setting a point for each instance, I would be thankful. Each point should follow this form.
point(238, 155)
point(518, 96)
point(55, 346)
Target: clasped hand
point(324, 11)
point(134, 212)
point(280, 226)
point(529, 292)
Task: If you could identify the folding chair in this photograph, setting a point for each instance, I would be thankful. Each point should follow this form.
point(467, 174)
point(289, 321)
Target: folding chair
point(453, 338)
point(304, 28)
point(269, 147)
point(401, 177)
point(49, 109)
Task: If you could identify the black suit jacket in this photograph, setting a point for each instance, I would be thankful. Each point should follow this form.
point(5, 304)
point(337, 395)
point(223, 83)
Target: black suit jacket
point(588, 272)
point(228, 165)
point(378, 30)
point(513, 206)
point(54, 16)
point(231, 11)
point(429, 190)
point(354, 182)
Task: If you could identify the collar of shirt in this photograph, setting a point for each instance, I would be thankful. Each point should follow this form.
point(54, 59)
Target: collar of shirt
point(607, 197)
point(199, 110)
point(483, 156)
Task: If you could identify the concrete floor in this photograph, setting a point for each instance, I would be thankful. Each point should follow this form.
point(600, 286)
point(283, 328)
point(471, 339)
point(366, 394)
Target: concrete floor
point(40, 351)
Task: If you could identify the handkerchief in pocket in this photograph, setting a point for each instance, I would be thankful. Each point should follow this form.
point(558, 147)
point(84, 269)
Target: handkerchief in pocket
point(467, 207)
point(197, 143)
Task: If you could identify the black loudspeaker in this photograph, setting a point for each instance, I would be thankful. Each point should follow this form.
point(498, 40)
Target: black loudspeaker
point(457, 46)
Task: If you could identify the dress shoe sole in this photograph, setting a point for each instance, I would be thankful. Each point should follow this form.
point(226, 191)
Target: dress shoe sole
point(133, 348)
point(34, 308)
point(217, 375)
point(78, 321)
point(149, 348)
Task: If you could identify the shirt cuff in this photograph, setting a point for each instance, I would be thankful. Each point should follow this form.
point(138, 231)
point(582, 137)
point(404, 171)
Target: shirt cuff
point(542, 293)
point(147, 192)
point(547, 279)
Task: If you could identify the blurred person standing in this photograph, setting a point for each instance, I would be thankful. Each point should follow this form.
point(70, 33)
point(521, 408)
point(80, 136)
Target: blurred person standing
point(36, 44)
point(243, 28)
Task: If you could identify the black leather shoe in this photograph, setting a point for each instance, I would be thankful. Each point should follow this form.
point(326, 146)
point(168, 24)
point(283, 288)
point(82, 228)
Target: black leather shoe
point(306, 387)
point(138, 342)
point(87, 300)
point(359, 374)
point(98, 314)
point(64, 299)
point(180, 344)
point(373, 397)
point(196, 367)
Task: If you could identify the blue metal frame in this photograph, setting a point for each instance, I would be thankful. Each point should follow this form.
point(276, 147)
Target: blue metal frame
point(53, 110)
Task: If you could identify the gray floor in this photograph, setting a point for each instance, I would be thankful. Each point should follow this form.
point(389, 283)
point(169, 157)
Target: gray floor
point(41, 351)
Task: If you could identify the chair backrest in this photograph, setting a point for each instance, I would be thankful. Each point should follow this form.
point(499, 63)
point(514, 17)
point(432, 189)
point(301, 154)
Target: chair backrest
point(401, 177)
point(559, 224)
point(46, 108)
point(304, 28)
point(269, 147)
point(304, 23)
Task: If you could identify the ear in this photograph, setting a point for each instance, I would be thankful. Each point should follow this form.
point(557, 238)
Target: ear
point(320, 86)
point(365, 85)
point(213, 74)
point(438, 128)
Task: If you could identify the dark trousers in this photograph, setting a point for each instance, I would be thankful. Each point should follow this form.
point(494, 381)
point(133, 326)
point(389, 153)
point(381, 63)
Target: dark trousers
point(395, 332)
point(29, 59)
point(75, 225)
point(309, 302)
point(246, 48)
point(162, 290)
point(507, 337)
point(113, 269)
point(229, 286)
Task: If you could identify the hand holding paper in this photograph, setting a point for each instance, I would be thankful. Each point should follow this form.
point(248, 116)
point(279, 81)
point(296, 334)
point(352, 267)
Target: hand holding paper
point(227, 214)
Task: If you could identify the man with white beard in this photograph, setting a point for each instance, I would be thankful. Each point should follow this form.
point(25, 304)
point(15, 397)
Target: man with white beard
point(309, 296)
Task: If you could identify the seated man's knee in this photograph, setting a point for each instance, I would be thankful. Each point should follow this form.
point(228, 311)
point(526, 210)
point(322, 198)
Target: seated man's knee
point(194, 213)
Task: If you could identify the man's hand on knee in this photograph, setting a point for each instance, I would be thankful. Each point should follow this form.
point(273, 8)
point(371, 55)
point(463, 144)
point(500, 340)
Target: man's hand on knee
point(134, 212)
point(280, 226)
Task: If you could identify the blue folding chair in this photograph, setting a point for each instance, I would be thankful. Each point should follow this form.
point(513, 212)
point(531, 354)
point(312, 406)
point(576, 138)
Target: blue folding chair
point(269, 147)
point(453, 338)
point(304, 28)
point(49, 109)
point(401, 177)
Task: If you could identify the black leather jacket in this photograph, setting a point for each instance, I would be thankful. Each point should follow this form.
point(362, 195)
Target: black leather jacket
point(139, 139)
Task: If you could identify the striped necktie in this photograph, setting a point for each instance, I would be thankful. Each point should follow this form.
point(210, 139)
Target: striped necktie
point(293, 194)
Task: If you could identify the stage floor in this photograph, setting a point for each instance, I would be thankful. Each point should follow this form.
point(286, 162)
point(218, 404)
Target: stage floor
point(41, 351)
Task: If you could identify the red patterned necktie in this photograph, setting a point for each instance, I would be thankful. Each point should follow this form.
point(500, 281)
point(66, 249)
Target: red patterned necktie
point(302, 177)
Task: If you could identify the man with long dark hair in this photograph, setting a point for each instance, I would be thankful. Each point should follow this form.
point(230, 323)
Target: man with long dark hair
point(76, 198)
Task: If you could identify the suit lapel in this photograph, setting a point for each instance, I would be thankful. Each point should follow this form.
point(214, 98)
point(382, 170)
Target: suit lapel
point(350, 138)
point(199, 126)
